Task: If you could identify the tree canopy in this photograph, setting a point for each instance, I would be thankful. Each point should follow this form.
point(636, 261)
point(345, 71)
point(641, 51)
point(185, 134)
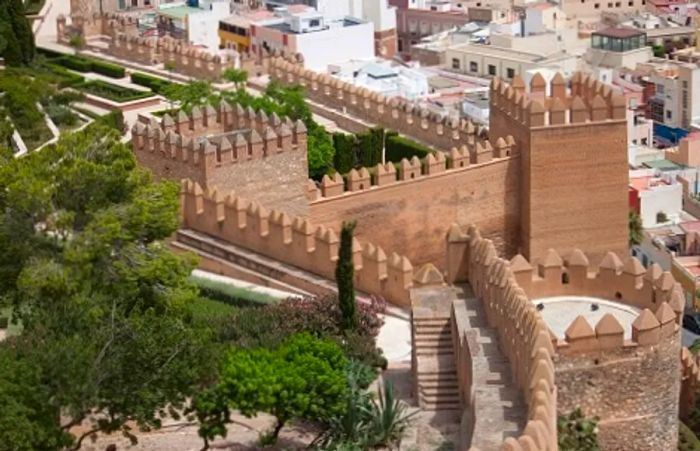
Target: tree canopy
point(16, 37)
point(107, 337)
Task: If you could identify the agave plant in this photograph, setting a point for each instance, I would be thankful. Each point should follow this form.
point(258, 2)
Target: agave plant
point(388, 418)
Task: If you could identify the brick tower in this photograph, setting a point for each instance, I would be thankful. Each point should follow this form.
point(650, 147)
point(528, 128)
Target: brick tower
point(572, 141)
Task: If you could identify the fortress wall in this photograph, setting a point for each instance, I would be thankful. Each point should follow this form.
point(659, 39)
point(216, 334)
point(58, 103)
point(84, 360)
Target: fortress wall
point(632, 384)
point(394, 113)
point(294, 241)
point(260, 157)
point(413, 215)
point(690, 381)
point(522, 335)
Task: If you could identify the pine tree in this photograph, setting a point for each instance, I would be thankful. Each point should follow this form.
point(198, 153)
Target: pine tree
point(344, 273)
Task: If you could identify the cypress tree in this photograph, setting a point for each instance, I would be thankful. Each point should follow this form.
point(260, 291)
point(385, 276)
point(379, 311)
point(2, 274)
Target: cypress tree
point(17, 33)
point(344, 273)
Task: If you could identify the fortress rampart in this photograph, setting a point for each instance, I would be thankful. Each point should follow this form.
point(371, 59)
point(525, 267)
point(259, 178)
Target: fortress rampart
point(573, 144)
point(413, 213)
point(230, 148)
point(596, 367)
point(394, 113)
point(690, 370)
point(294, 241)
point(413, 169)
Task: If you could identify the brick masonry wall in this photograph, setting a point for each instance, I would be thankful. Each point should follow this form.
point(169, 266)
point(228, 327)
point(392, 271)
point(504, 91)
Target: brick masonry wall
point(634, 391)
point(412, 217)
point(578, 189)
point(277, 182)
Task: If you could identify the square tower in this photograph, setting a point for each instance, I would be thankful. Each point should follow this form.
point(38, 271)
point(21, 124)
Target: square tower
point(573, 144)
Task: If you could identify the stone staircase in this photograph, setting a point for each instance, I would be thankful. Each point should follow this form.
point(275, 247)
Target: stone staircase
point(499, 409)
point(436, 387)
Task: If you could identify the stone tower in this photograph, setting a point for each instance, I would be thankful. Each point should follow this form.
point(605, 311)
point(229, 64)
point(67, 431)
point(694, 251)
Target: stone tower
point(573, 145)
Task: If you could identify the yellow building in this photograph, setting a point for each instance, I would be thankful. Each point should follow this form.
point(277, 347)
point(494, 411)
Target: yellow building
point(234, 33)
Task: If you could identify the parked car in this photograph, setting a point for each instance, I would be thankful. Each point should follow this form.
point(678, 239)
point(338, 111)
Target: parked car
point(691, 321)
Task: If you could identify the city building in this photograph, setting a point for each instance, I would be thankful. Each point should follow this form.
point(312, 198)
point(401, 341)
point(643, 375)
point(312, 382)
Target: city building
point(657, 198)
point(385, 78)
point(618, 47)
point(675, 102)
point(196, 25)
point(316, 37)
point(592, 10)
point(378, 12)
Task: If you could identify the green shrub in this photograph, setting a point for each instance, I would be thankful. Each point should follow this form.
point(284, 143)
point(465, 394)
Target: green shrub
point(75, 62)
point(577, 433)
point(157, 85)
point(228, 294)
point(687, 440)
point(82, 64)
point(4, 322)
point(112, 92)
point(399, 147)
point(65, 78)
point(48, 53)
point(107, 69)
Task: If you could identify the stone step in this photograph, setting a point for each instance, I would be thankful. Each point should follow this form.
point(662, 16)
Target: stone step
point(433, 341)
point(432, 403)
point(440, 332)
point(435, 364)
point(432, 377)
point(438, 393)
point(426, 352)
point(438, 384)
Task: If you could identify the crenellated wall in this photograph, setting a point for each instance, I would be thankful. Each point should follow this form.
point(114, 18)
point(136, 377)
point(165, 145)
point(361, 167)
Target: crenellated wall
point(596, 368)
point(231, 149)
point(523, 338)
point(690, 371)
point(294, 241)
point(573, 143)
point(438, 131)
point(411, 209)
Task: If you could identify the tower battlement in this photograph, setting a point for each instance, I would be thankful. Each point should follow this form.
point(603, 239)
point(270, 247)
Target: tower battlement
point(542, 104)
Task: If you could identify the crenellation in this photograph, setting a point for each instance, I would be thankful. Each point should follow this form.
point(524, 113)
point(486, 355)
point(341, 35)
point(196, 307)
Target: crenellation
point(293, 241)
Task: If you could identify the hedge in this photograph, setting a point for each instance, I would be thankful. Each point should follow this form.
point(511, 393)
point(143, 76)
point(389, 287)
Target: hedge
point(157, 85)
point(112, 92)
point(398, 147)
point(82, 64)
point(67, 78)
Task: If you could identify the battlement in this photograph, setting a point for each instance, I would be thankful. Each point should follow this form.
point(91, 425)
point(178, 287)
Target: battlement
point(437, 130)
point(465, 158)
point(690, 380)
point(585, 101)
point(293, 240)
point(523, 335)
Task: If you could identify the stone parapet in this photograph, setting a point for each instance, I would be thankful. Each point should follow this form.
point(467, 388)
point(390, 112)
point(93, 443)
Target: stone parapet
point(437, 130)
point(523, 338)
point(465, 158)
point(690, 380)
point(588, 101)
point(293, 241)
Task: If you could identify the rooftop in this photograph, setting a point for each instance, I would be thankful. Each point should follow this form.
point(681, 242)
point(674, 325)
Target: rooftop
point(285, 27)
point(178, 12)
point(663, 165)
point(560, 311)
point(647, 183)
point(619, 32)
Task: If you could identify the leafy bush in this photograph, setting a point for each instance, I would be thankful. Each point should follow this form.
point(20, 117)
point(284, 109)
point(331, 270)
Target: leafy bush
point(114, 120)
point(687, 440)
point(304, 378)
point(108, 69)
point(229, 294)
point(577, 433)
point(62, 116)
point(62, 76)
point(271, 325)
point(75, 62)
point(157, 85)
point(112, 92)
point(399, 147)
point(82, 64)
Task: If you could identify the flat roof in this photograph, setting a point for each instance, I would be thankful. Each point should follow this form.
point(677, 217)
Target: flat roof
point(178, 12)
point(619, 32)
point(284, 27)
point(662, 165)
point(560, 311)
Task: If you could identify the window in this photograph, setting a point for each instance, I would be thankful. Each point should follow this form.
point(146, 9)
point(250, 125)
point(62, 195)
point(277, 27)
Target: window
point(669, 114)
point(455, 63)
point(314, 23)
point(492, 69)
point(634, 142)
point(685, 84)
point(510, 72)
point(473, 66)
point(630, 3)
point(400, 45)
point(610, 5)
point(645, 142)
point(617, 4)
point(597, 6)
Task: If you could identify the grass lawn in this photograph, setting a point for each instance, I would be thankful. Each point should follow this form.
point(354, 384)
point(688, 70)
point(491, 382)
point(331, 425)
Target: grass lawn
point(12, 329)
point(231, 295)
